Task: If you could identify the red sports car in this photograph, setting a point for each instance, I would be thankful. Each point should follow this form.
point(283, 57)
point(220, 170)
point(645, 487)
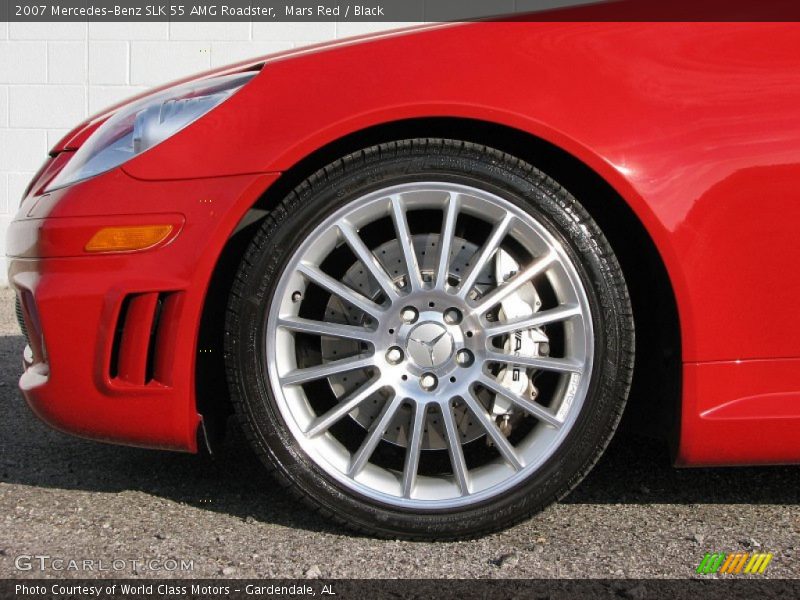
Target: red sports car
point(427, 269)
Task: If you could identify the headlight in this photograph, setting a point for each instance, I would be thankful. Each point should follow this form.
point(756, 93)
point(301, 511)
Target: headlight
point(138, 127)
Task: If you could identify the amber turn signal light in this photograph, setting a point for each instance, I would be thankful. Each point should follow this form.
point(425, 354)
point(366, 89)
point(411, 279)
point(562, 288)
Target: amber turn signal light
point(126, 239)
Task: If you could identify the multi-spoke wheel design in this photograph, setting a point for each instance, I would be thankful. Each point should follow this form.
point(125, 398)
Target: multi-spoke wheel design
point(429, 339)
point(437, 319)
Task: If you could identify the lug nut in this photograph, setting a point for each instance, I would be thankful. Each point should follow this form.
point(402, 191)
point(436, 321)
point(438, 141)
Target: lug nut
point(394, 355)
point(464, 358)
point(409, 314)
point(428, 382)
point(452, 316)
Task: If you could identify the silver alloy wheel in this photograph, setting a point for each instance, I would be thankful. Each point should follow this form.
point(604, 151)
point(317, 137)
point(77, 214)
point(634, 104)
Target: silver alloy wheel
point(413, 353)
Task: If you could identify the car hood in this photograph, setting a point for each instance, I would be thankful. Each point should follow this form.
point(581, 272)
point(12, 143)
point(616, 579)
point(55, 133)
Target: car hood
point(75, 138)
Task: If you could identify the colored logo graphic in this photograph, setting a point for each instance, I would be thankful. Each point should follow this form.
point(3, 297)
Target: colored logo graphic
point(734, 563)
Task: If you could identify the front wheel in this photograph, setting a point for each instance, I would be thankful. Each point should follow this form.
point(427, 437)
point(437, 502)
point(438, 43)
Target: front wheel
point(429, 339)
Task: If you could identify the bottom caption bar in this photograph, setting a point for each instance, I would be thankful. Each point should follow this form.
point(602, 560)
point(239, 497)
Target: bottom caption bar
point(418, 589)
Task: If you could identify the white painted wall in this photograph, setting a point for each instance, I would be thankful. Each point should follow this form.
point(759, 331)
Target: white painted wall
point(53, 75)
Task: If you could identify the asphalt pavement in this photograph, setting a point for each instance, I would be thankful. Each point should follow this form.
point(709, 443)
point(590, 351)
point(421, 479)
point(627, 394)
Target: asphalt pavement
point(130, 512)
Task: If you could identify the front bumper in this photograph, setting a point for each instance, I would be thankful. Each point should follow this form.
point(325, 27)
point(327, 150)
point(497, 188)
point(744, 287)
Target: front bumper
point(112, 338)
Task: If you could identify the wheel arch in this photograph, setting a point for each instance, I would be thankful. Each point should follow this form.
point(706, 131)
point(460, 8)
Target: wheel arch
point(654, 406)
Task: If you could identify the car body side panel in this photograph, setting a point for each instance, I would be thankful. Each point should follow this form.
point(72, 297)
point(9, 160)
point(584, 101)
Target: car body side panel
point(740, 413)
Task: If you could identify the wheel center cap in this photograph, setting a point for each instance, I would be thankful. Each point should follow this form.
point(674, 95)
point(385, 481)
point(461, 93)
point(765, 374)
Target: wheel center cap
point(430, 345)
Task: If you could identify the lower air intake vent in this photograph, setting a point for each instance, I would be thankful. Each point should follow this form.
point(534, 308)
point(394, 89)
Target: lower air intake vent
point(144, 335)
point(21, 319)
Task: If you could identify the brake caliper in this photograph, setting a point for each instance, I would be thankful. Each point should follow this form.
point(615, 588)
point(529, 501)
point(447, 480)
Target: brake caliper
point(529, 342)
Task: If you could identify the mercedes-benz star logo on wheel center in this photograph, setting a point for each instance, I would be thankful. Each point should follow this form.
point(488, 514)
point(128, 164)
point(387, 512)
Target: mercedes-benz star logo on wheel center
point(430, 344)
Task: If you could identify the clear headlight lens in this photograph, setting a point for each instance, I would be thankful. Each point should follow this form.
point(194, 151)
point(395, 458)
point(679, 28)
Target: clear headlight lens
point(145, 123)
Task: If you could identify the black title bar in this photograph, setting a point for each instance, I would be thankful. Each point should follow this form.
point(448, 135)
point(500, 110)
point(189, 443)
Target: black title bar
point(397, 10)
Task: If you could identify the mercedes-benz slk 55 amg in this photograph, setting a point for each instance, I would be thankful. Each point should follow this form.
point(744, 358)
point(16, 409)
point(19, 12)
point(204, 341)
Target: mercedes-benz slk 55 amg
point(427, 269)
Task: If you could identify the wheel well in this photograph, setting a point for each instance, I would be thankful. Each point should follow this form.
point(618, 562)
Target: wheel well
point(654, 402)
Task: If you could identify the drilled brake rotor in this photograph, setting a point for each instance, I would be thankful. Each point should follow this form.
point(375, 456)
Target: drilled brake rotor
point(391, 258)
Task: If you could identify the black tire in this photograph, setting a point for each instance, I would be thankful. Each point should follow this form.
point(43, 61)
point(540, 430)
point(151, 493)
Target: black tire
point(428, 159)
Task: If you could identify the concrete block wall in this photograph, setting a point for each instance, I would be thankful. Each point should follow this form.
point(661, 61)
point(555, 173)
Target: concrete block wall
point(53, 75)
